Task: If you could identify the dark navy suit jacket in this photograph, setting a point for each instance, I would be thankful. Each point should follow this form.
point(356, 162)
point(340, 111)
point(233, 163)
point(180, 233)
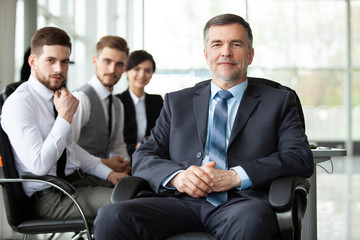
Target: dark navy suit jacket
point(267, 137)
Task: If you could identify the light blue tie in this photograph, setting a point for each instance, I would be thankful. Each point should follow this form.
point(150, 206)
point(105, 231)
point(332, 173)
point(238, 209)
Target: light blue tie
point(218, 142)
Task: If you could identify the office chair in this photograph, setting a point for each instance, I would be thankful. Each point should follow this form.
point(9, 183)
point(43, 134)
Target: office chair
point(287, 196)
point(19, 207)
point(274, 84)
point(9, 89)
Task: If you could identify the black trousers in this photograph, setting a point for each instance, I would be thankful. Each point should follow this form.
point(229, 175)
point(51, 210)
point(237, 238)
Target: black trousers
point(246, 216)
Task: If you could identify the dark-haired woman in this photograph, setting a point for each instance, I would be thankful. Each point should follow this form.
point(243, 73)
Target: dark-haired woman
point(141, 109)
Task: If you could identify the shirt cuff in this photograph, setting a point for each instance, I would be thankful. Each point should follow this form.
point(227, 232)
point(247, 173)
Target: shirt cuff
point(102, 171)
point(245, 180)
point(61, 131)
point(167, 180)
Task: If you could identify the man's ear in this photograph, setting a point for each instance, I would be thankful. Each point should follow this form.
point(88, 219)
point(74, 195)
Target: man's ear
point(32, 62)
point(94, 60)
point(205, 55)
point(251, 55)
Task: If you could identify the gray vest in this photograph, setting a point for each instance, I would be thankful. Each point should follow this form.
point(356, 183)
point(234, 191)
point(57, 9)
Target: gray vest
point(94, 136)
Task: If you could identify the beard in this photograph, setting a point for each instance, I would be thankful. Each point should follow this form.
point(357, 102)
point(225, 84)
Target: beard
point(233, 77)
point(108, 79)
point(46, 81)
point(229, 75)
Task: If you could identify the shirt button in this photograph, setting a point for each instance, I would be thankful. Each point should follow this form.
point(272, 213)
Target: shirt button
point(198, 155)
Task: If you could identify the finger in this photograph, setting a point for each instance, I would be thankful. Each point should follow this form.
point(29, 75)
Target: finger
point(63, 91)
point(126, 167)
point(56, 95)
point(122, 165)
point(76, 101)
point(193, 182)
point(210, 164)
point(115, 181)
point(195, 194)
point(119, 158)
point(192, 190)
point(205, 177)
point(199, 187)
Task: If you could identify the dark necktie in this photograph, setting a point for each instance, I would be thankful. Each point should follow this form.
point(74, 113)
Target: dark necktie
point(60, 167)
point(218, 142)
point(110, 114)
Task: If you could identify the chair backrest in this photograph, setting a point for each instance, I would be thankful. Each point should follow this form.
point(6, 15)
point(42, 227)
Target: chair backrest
point(7, 91)
point(274, 84)
point(18, 206)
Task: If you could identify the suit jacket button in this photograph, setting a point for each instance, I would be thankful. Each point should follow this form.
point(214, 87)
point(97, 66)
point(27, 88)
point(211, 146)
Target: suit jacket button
point(198, 155)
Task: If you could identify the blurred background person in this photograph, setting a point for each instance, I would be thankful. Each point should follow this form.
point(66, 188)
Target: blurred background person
point(25, 69)
point(99, 121)
point(141, 109)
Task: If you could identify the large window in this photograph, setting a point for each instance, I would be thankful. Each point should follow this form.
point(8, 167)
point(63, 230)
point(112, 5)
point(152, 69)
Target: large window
point(308, 45)
point(302, 44)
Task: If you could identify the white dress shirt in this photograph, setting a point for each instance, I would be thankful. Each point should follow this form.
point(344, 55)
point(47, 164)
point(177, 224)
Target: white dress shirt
point(82, 117)
point(140, 112)
point(38, 140)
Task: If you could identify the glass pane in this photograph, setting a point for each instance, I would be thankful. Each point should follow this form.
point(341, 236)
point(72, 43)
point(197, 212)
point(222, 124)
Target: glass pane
point(356, 105)
point(355, 28)
point(175, 35)
point(174, 38)
point(298, 33)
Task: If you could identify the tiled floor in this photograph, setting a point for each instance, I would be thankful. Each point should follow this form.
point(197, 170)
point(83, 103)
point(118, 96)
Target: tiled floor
point(338, 198)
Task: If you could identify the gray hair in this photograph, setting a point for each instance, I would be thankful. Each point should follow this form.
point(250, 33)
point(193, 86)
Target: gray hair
point(226, 19)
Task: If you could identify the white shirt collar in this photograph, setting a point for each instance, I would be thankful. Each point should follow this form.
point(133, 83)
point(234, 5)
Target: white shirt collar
point(99, 88)
point(40, 88)
point(237, 91)
point(135, 98)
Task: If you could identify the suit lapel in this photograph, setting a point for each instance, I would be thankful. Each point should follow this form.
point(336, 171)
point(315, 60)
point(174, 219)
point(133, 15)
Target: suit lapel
point(247, 106)
point(201, 109)
point(131, 107)
point(149, 111)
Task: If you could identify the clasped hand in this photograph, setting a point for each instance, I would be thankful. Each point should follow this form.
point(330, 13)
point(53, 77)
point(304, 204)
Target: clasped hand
point(199, 181)
point(120, 168)
point(117, 163)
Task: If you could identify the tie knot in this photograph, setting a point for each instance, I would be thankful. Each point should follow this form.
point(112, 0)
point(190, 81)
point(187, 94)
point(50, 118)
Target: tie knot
point(223, 94)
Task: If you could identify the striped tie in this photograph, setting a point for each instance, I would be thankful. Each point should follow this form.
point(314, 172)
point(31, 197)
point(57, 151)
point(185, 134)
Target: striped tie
point(218, 142)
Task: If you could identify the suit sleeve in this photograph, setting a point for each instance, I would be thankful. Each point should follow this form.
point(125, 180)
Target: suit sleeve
point(152, 161)
point(281, 152)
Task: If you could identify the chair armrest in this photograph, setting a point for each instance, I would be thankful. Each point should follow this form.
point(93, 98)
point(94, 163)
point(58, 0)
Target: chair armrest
point(288, 198)
point(49, 178)
point(60, 184)
point(283, 190)
point(128, 188)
